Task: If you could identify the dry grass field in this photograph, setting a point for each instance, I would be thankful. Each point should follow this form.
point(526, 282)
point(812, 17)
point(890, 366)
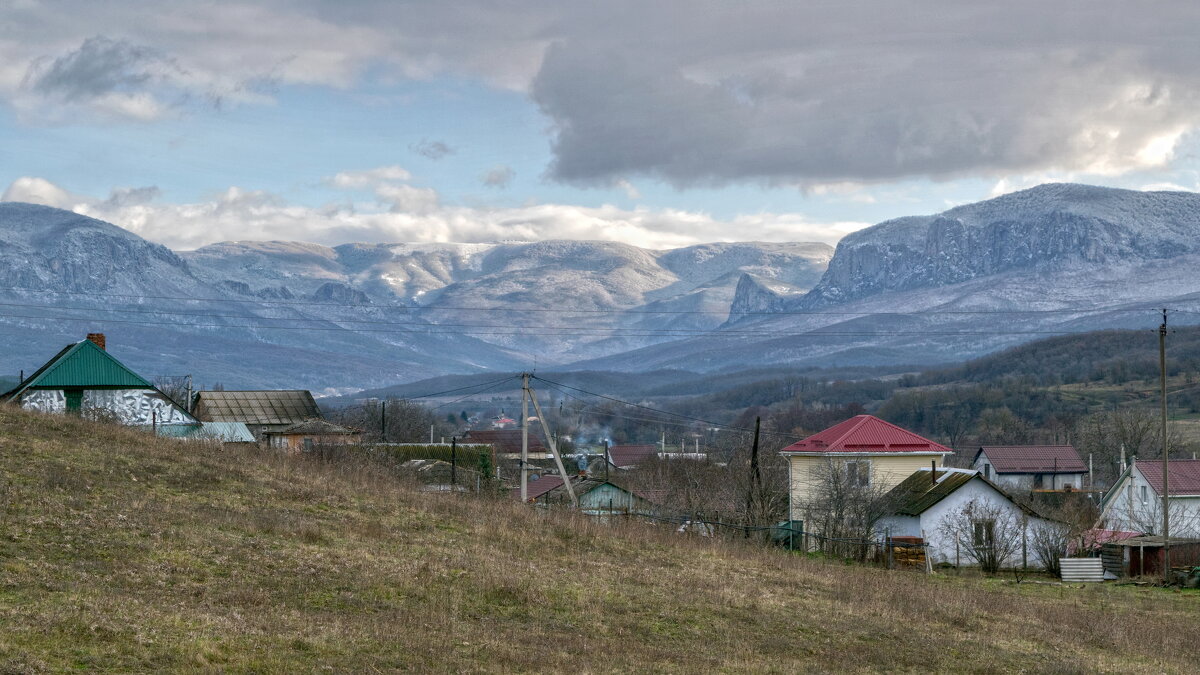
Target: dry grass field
point(119, 552)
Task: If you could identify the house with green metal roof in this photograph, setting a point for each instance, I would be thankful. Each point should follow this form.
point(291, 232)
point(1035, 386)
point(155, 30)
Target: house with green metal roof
point(85, 378)
point(927, 502)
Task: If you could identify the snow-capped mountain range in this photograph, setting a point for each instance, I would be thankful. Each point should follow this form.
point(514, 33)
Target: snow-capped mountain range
point(920, 289)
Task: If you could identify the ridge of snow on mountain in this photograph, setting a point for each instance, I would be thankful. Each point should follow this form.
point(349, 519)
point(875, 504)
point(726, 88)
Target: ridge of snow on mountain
point(1053, 224)
point(272, 313)
point(976, 278)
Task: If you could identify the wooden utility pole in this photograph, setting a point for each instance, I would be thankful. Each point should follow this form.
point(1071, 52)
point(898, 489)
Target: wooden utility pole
point(383, 421)
point(1166, 486)
point(524, 437)
point(562, 470)
point(755, 478)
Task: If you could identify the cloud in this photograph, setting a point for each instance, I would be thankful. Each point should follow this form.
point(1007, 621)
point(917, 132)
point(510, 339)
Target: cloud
point(498, 177)
point(630, 190)
point(434, 150)
point(369, 178)
point(241, 214)
point(692, 92)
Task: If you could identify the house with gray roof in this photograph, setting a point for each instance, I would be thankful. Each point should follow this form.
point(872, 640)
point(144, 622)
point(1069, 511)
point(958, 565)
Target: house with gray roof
point(260, 411)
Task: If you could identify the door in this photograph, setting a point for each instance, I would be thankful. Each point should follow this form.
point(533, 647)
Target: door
point(74, 399)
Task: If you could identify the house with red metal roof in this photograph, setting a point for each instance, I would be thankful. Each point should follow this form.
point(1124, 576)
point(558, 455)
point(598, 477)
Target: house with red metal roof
point(1135, 501)
point(629, 456)
point(1031, 467)
point(870, 451)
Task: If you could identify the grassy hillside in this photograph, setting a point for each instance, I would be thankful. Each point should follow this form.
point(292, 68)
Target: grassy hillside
point(123, 553)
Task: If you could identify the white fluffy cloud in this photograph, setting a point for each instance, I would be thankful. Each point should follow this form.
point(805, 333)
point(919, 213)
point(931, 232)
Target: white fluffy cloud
point(695, 92)
point(239, 214)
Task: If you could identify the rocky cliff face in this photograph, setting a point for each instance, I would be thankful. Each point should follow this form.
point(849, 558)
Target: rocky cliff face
point(1050, 225)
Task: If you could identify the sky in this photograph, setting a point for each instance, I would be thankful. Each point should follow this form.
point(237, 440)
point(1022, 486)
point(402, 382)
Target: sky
point(658, 124)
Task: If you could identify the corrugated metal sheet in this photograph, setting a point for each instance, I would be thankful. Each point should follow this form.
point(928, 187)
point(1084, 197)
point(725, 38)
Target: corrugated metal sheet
point(1033, 458)
point(225, 432)
point(1090, 570)
point(84, 365)
point(316, 427)
point(866, 433)
point(623, 456)
point(256, 407)
point(506, 441)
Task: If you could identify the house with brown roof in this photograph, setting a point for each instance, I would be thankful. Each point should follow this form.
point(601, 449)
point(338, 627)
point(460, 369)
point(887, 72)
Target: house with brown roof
point(1135, 501)
point(597, 497)
point(260, 411)
point(1031, 467)
point(865, 449)
point(507, 442)
point(630, 456)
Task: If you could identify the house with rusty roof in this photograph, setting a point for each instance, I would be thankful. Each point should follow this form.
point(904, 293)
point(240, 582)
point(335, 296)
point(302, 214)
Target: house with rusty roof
point(865, 449)
point(260, 411)
point(1135, 501)
point(84, 378)
point(1031, 467)
point(306, 435)
point(507, 442)
point(924, 502)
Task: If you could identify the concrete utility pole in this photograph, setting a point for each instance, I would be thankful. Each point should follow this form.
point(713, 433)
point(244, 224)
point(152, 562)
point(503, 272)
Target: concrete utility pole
point(562, 470)
point(524, 436)
point(1166, 487)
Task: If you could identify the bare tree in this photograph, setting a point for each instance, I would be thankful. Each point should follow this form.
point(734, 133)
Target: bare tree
point(395, 420)
point(845, 507)
point(988, 534)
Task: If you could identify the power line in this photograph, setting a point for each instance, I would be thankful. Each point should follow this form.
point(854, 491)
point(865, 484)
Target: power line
point(524, 331)
point(656, 410)
point(435, 308)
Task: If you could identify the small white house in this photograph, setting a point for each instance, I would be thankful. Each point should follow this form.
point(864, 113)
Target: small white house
point(925, 506)
point(1134, 502)
point(1031, 467)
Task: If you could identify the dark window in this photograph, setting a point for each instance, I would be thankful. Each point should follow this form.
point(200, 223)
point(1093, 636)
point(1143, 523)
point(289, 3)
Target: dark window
point(985, 531)
point(858, 473)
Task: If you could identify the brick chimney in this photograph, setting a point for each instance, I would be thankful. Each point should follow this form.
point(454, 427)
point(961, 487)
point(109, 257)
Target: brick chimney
point(97, 339)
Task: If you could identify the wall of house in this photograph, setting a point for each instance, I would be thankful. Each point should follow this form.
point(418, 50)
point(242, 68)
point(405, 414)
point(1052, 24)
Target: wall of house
point(608, 499)
point(887, 471)
point(941, 544)
point(900, 526)
point(1126, 510)
point(128, 406)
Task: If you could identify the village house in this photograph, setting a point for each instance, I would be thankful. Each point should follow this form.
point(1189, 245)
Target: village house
point(630, 456)
point(597, 497)
point(260, 411)
point(928, 506)
point(309, 434)
point(868, 451)
point(1135, 501)
point(1031, 467)
point(85, 378)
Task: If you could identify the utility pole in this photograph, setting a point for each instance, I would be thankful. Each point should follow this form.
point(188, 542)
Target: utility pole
point(562, 470)
point(1166, 491)
point(524, 437)
point(755, 480)
point(453, 462)
point(383, 420)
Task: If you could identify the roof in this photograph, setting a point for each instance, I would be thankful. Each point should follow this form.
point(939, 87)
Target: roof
point(316, 427)
point(505, 440)
point(867, 434)
point(226, 432)
point(1184, 475)
point(282, 406)
point(1033, 458)
point(82, 364)
point(624, 456)
point(539, 487)
point(917, 493)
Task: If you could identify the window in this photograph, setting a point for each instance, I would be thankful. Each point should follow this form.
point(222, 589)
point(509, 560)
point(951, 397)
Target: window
point(858, 473)
point(985, 532)
point(987, 471)
point(1144, 495)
